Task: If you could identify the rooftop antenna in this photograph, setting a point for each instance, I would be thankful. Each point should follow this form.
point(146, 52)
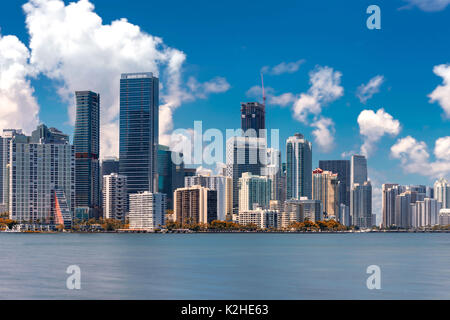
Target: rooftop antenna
point(263, 91)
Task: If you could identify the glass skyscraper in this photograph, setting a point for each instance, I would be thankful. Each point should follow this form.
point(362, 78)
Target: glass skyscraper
point(298, 167)
point(87, 149)
point(138, 148)
point(342, 168)
point(253, 116)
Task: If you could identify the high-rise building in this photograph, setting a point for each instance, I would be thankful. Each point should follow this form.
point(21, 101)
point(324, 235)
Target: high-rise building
point(361, 212)
point(403, 207)
point(138, 147)
point(41, 177)
point(217, 183)
point(253, 118)
point(425, 213)
point(5, 140)
point(86, 141)
point(300, 210)
point(390, 191)
point(358, 170)
point(342, 168)
point(195, 204)
point(273, 170)
point(244, 154)
point(442, 192)
point(444, 217)
point(254, 191)
point(170, 175)
point(147, 211)
point(115, 196)
point(325, 188)
point(109, 165)
point(344, 215)
point(298, 167)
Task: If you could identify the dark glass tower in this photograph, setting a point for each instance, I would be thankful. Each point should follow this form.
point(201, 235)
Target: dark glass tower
point(342, 168)
point(253, 116)
point(87, 150)
point(138, 149)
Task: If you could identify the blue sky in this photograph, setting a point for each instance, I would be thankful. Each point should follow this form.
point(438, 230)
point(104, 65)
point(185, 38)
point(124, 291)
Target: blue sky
point(234, 40)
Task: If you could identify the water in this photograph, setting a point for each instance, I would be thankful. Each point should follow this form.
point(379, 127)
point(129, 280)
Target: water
point(224, 266)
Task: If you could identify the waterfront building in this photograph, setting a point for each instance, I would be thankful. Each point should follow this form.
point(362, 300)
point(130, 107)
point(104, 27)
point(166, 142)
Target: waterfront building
point(86, 141)
point(389, 191)
point(244, 154)
point(147, 211)
point(217, 183)
point(195, 204)
point(138, 146)
point(325, 185)
point(403, 208)
point(344, 215)
point(253, 118)
point(262, 218)
point(254, 191)
point(298, 167)
point(115, 196)
point(444, 217)
point(41, 176)
point(442, 192)
point(361, 212)
point(342, 168)
point(300, 210)
point(425, 213)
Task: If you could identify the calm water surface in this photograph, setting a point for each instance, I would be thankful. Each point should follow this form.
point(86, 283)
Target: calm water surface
point(224, 266)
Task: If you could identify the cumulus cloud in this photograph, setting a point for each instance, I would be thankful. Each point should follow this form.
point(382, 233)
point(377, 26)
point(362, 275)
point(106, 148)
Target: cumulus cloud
point(71, 45)
point(442, 92)
point(324, 133)
point(366, 91)
point(18, 106)
point(373, 126)
point(325, 88)
point(427, 5)
point(283, 67)
point(415, 158)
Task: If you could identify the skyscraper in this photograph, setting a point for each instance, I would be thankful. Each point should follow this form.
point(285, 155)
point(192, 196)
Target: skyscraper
point(326, 190)
point(358, 170)
point(170, 175)
point(390, 191)
point(442, 192)
point(42, 177)
point(86, 141)
point(244, 154)
point(253, 116)
point(298, 167)
point(362, 205)
point(195, 204)
point(138, 146)
point(254, 191)
point(109, 165)
point(342, 168)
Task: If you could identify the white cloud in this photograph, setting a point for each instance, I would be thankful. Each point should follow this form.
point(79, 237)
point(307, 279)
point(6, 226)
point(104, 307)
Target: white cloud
point(373, 126)
point(18, 106)
point(325, 88)
point(324, 133)
point(71, 45)
point(283, 67)
point(415, 158)
point(442, 93)
point(427, 5)
point(281, 100)
point(366, 91)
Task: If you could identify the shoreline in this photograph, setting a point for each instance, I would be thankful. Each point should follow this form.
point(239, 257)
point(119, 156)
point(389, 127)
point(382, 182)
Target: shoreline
point(233, 232)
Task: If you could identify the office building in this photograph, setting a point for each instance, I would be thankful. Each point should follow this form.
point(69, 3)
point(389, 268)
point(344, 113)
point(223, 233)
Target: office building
point(253, 118)
point(254, 191)
point(193, 205)
point(342, 168)
point(442, 192)
point(138, 146)
point(298, 167)
point(41, 176)
point(147, 211)
point(86, 141)
point(361, 212)
point(109, 165)
point(115, 196)
point(325, 185)
point(358, 170)
point(244, 154)
point(170, 175)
